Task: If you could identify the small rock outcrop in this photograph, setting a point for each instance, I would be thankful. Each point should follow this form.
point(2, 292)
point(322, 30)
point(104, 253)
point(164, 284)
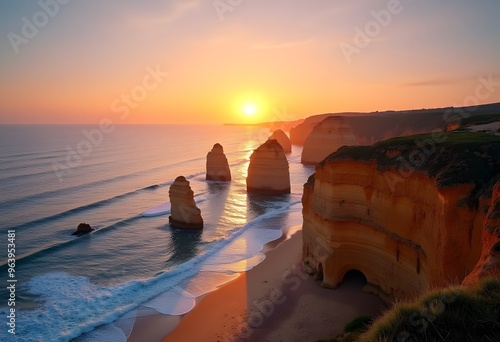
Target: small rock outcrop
point(83, 228)
point(326, 137)
point(217, 165)
point(184, 212)
point(268, 171)
point(283, 140)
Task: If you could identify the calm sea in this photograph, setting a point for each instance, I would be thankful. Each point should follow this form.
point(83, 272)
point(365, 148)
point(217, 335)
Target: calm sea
point(94, 286)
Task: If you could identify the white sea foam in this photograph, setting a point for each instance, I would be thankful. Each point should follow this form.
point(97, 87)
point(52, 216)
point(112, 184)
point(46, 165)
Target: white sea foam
point(73, 305)
point(159, 210)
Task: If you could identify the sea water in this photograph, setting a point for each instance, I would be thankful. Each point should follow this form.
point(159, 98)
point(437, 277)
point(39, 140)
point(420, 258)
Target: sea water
point(93, 287)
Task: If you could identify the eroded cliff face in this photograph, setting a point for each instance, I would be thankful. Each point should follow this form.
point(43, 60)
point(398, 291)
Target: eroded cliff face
point(406, 231)
point(489, 262)
point(332, 133)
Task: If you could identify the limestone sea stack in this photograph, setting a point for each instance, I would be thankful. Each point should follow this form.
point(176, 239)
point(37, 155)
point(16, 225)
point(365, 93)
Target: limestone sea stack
point(410, 213)
point(283, 140)
point(268, 172)
point(326, 137)
point(184, 213)
point(217, 165)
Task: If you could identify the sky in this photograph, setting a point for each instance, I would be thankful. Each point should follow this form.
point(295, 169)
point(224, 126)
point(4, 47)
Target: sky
point(241, 61)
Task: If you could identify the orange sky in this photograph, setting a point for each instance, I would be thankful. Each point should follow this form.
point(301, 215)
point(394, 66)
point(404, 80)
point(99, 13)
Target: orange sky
point(289, 59)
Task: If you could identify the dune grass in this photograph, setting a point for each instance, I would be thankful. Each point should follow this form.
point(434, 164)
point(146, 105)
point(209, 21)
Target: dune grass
point(452, 314)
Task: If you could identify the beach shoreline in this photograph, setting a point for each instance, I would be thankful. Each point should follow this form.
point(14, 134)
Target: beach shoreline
point(276, 300)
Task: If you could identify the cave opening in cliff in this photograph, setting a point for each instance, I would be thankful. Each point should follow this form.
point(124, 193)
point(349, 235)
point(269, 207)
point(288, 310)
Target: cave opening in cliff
point(319, 274)
point(355, 278)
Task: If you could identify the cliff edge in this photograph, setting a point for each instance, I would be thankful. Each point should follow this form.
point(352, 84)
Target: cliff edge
point(407, 212)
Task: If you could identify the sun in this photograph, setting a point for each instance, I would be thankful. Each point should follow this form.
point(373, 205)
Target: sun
point(250, 109)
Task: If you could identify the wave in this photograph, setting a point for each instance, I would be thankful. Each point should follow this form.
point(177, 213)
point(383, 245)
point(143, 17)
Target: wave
point(73, 305)
point(89, 206)
point(63, 191)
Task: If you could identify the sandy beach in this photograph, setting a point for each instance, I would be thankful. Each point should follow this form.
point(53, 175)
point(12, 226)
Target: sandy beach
point(274, 301)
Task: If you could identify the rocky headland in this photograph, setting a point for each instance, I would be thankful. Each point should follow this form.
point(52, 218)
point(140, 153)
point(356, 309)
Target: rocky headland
point(268, 171)
point(217, 165)
point(369, 128)
point(184, 212)
point(326, 137)
point(410, 213)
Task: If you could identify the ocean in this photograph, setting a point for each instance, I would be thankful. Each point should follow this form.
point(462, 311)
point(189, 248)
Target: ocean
point(116, 178)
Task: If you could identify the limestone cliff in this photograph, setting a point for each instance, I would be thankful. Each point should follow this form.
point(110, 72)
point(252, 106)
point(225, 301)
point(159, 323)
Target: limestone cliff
point(489, 262)
point(330, 134)
point(268, 171)
point(217, 165)
point(283, 140)
point(407, 212)
point(184, 212)
point(369, 128)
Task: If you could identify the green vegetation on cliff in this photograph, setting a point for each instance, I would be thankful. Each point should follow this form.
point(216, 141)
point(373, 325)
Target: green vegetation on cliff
point(452, 314)
point(451, 158)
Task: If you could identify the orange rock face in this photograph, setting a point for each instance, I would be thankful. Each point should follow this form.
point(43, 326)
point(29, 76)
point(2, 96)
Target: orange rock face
point(283, 140)
point(404, 234)
point(217, 165)
point(410, 213)
point(268, 171)
point(184, 212)
point(330, 134)
point(489, 262)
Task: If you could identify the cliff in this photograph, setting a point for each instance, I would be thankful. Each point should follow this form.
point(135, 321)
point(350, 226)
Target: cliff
point(268, 171)
point(489, 261)
point(184, 212)
point(408, 212)
point(372, 127)
point(326, 137)
point(217, 165)
point(283, 140)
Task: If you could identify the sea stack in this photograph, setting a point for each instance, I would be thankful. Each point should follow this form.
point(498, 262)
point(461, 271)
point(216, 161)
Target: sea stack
point(326, 137)
point(184, 213)
point(217, 165)
point(283, 140)
point(268, 172)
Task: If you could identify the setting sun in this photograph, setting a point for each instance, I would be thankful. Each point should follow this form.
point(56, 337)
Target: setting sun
point(250, 109)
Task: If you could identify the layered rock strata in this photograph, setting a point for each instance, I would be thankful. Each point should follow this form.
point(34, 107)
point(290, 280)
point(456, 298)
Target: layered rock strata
point(268, 171)
point(184, 212)
point(408, 212)
point(330, 134)
point(283, 140)
point(217, 165)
